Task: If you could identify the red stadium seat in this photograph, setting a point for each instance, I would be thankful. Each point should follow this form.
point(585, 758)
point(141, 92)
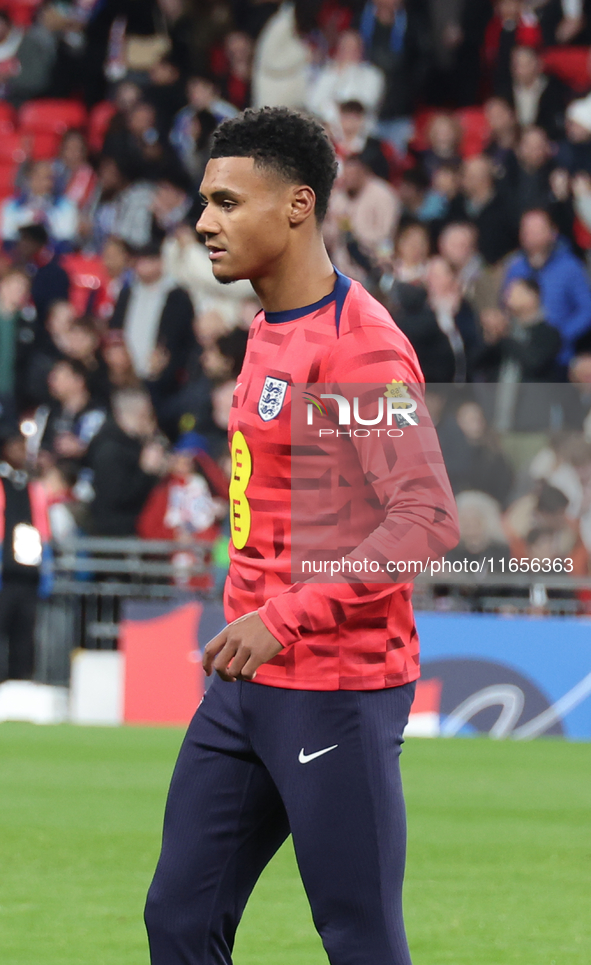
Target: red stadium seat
point(43, 146)
point(571, 65)
point(21, 11)
point(7, 117)
point(475, 128)
point(98, 123)
point(8, 174)
point(50, 116)
point(12, 148)
point(422, 119)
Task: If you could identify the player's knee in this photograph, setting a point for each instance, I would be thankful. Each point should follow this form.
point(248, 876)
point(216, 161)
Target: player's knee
point(157, 912)
point(171, 921)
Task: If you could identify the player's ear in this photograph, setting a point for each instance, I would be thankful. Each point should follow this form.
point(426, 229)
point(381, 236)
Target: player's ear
point(302, 204)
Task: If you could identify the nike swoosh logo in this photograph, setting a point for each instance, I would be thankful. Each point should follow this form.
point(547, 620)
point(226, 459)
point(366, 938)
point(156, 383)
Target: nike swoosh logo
point(305, 758)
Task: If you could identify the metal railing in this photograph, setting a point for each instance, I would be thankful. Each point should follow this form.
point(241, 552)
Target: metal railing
point(94, 575)
point(129, 566)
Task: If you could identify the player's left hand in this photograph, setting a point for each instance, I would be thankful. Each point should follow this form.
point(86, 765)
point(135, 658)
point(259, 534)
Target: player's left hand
point(239, 649)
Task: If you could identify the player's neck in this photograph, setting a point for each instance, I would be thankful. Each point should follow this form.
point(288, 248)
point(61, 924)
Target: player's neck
point(299, 280)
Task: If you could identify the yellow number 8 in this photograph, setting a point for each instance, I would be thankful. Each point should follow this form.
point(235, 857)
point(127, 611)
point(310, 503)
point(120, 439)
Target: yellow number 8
point(239, 508)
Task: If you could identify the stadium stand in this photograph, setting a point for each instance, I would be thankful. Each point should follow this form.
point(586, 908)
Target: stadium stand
point(489, 131)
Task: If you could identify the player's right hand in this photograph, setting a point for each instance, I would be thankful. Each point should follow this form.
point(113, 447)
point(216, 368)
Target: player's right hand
point(239, 649)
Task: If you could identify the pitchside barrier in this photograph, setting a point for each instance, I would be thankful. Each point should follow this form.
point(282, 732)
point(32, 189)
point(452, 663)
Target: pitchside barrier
point(125, 628)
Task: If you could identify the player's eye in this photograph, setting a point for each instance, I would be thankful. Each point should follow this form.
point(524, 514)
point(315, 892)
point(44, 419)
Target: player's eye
point(227, 205)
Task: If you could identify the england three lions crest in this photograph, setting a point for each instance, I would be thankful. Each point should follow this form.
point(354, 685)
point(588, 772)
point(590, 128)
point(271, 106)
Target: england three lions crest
point(271, 400)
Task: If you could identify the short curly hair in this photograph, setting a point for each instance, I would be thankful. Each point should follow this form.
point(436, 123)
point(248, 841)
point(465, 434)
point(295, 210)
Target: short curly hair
point(292, 144)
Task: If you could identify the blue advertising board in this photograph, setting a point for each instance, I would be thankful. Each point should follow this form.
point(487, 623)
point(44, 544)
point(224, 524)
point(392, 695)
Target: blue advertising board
point(508, 676)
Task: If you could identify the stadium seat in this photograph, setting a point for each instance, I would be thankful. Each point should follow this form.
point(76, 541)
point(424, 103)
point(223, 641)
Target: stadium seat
point(98, 123)
point(12, 148)
point(422, 119)
point(88, 281)
point(571, 65)
point(7, 117)
point(21, 11)
point(50, 116)
point(475, 128)
point(44, 146)
point(8, 174)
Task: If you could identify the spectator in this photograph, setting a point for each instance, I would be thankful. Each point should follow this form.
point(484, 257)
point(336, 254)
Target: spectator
point(217, 357)
point(538, 525)
point(408, 305)
point(565, 290)
point(188, 503)
point(193, 151)
point(419, 200)
point(473, 21)
point(351, 135)
point(479, 283)
point(166, 93)
point(16, 332)
point(117, 258)
point(35, 59)
point(539, 99)
point(10, 40)
point(362, 217)
point(446, 185)
point(411, 253)
point(223, 359)
point(204, 99)
point(82, 343)
point(117, 359)
point(40, 204)
point(140, 143)
point(346, 78)
point(560, 20)
point(74, 177)
point(173, 204)
point(504, 133)
point(49, 280)
point(454, 316)
point(281, 61)
point(75, 417)
point(512, 25)
point(533, 181)
point(58, 481)
point(472, 454)
point(525, 348)
point(25, 557)
point(121, 205)
point(127, 460)
point(156, 318)
point(49, 346)
point(186, 259)
point(235, 77)
point(126, 96)
point(481, 529)
point(487, 209)
point(575, 152)
point(444, 135)
point(397, 39)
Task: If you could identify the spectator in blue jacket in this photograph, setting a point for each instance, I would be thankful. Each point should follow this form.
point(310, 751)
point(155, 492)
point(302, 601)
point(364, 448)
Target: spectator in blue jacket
point(563, 281)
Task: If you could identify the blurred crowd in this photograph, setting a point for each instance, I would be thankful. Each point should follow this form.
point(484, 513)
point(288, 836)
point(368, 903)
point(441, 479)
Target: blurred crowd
point(463, 202)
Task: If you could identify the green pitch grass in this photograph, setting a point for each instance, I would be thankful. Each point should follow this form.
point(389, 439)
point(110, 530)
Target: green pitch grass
point(498, 870)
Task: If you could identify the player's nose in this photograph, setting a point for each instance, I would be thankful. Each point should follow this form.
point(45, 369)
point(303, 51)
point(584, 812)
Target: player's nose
point(207, 224)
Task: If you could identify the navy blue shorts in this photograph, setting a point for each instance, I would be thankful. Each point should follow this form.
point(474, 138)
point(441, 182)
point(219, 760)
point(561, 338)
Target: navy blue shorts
point(260, 762)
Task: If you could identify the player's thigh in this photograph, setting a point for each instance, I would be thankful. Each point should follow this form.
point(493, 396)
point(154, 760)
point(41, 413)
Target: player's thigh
point(221, 799)
point(346, 812)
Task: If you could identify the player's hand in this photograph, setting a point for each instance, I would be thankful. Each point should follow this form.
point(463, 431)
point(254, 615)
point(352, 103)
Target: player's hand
point(238, 651)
